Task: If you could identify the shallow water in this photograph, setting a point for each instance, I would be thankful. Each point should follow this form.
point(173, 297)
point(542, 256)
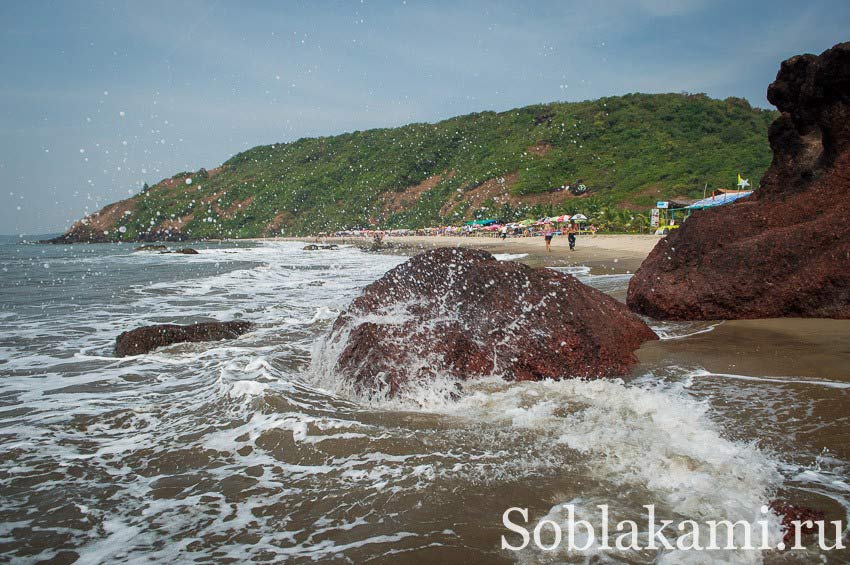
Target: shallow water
point(253, 449)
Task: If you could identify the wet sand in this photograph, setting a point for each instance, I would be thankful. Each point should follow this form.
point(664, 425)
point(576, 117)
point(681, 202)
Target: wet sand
point(811, 349)
point(800, 365)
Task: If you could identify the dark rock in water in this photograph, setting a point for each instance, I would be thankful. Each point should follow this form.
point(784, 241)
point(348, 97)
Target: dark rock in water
point(316, 247)
point(463, 314)
point(165, 251)
point(151, 248)
point(790, 513)
point(145, 339)
point(785, 250)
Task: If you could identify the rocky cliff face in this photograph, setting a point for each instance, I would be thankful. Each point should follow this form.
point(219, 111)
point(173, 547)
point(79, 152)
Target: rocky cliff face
point(104, 226)
point(785, 251)
point(461, 313)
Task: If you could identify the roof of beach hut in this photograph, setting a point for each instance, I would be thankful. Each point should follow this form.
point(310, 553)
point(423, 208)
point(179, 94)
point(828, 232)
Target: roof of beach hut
point(719, 199)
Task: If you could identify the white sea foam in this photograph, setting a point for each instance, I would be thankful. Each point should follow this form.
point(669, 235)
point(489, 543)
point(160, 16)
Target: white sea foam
point(247, 388)
point(175, 433)
point(702, 373)
point(680, 330)
point(652, 436)
point(509, 256)
point(657, 436)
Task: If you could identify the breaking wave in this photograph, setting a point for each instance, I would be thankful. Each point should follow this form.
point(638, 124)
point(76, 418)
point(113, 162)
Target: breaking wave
point(255, 449)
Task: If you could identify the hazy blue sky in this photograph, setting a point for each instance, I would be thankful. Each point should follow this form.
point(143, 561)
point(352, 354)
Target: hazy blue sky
point(99, 97)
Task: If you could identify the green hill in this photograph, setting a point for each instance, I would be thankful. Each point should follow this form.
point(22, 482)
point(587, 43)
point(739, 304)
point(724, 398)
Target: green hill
point(629, 151)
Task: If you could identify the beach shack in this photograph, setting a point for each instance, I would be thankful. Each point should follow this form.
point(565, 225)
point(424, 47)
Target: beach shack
point(667, 216)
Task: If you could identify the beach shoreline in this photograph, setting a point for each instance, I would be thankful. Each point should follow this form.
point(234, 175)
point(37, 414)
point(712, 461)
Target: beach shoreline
point(603, 254)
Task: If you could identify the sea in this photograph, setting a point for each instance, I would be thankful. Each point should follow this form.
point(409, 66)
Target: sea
point(253, 449)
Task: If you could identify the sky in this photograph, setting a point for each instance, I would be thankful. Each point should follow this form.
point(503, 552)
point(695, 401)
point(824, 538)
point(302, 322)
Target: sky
point(98, 98)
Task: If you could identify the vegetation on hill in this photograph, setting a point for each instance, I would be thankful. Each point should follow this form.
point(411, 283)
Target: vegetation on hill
point(629, 151)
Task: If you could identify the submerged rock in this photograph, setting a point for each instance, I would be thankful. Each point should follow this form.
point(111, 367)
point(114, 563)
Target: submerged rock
point(187, 251)
point(145, 339)
point(151, 248)
point(461, 313)
point(316, 247)
point(785, 250)
point(789, 514)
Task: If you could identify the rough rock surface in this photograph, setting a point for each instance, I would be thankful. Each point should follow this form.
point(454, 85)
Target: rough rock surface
point(100, 227)
point(461, 313)
point(790, 513)
point(145, 339)
point(785, 251)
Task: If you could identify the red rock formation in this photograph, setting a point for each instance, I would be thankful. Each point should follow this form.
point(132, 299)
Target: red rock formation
point(96, 227)
point(461, 313)
point(148, 338)
point(785, 251)
point(790, 513)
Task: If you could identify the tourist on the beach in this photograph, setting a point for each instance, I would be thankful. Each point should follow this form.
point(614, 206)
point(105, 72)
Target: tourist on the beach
point(504, 232)
point(547, 235)
point(571, 235)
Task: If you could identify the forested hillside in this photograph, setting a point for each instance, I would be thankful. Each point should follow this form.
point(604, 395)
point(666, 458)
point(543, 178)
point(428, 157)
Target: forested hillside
point(627, 151)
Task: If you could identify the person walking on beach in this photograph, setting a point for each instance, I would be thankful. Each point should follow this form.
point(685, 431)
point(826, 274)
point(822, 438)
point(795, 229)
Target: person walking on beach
point(547, 235)
point(571, 235)
point(504, 232)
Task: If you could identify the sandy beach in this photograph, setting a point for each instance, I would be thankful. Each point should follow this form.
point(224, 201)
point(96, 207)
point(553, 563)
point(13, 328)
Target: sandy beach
point(602, 253)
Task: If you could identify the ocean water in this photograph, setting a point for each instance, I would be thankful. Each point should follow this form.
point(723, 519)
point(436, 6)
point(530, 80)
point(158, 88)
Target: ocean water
point(253, 449)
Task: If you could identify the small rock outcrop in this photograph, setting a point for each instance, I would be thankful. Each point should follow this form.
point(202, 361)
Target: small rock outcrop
point(790, 513)
point(160, 248)
point(187, 251)
point(317, 247)
point(461, 313)
point(785, 250)
point(145, 339)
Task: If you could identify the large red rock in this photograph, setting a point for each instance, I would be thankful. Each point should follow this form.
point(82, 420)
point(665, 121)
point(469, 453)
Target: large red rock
point(461, 313)
point(785, 250)
point(147, 338)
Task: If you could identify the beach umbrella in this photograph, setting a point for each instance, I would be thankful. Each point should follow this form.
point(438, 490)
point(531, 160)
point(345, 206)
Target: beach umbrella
point(526, 223)
point(580, 218)
point(561, 219)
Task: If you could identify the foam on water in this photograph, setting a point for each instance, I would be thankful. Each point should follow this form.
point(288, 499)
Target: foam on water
point(781, 380)
point(509, 256)
point(679, 330)
point(655, 438)
point(255, 449)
